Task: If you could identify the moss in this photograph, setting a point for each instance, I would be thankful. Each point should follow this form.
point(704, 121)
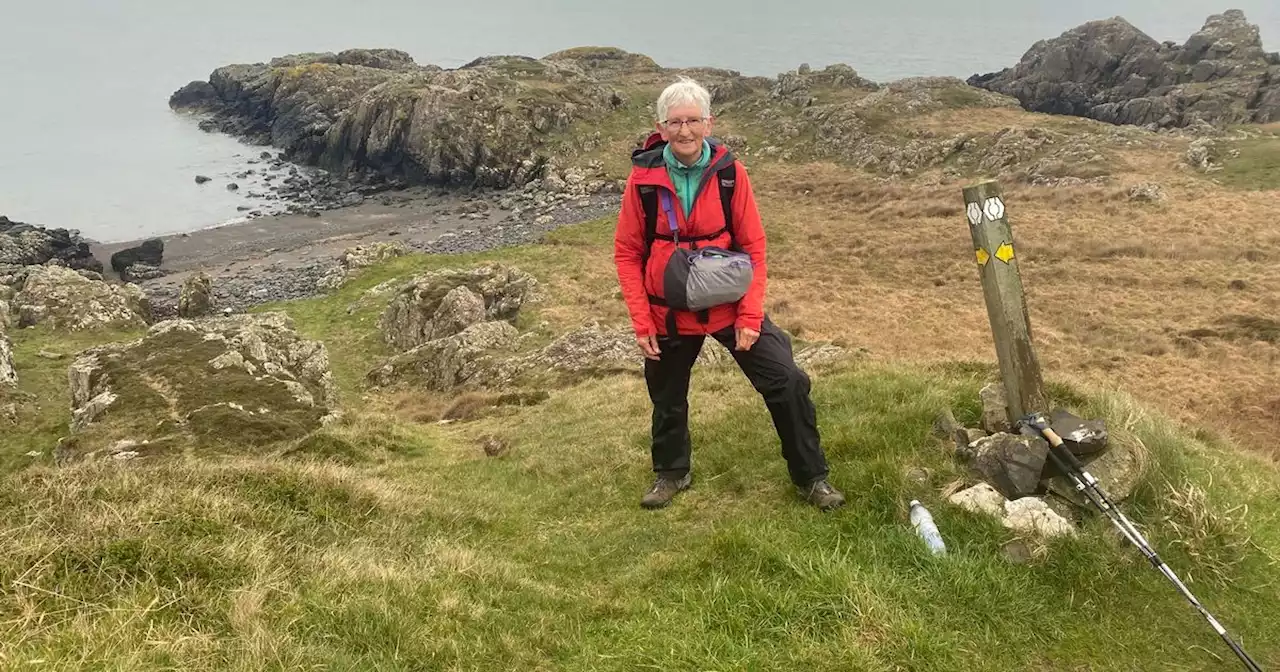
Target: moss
point(166, 384)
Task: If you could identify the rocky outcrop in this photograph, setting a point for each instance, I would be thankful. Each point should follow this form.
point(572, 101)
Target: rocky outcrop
point(376, 110)
point(137, 262)
point(361, 256)
point(196, 297)
point(65, 299)
point(442, 303)
point(8, 373)
point(1111, 71)
point(236, 383)
point(29, 245)
point(465, 359)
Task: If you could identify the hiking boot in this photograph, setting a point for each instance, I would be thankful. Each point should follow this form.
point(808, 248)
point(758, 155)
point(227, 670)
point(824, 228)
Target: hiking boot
point(821, 494)
point(663, 490)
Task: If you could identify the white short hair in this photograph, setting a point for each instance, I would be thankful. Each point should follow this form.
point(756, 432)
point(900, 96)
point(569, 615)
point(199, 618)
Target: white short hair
point(684, 91)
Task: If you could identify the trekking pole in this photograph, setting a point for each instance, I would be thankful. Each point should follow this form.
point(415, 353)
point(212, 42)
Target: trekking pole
point(1088, 486)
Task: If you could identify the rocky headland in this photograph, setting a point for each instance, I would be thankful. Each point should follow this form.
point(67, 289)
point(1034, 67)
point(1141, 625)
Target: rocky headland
point(1111, 71)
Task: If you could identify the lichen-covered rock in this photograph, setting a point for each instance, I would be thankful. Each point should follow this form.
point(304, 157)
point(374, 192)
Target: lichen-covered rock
point(196, 297)
point(466, 359)
point(8, 373)
point(29, 245)
point(64, 299)
point(419, 312)
point(361, 256)
point(1146, 192)
point(1031, 515)
point(236, 383)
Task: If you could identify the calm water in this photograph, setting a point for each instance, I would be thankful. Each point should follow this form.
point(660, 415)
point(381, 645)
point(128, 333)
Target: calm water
point(87, 140)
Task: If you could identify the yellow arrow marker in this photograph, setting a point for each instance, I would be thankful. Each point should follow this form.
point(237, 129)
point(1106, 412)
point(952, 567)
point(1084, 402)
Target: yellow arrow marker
point(1005, 252)
point(983, 256)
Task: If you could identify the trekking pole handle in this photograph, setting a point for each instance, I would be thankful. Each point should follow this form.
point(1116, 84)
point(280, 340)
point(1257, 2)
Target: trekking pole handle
point(1052, 436)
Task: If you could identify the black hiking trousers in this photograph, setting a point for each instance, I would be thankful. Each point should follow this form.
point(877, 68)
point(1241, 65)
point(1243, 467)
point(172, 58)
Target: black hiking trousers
point(772, 370)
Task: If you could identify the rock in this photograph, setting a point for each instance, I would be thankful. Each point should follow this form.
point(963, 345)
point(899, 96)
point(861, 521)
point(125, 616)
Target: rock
point(474, 125)
point(817, 355)
point(1111, 71)
point(29, 245)
point(196, 297)
point(1030, 515)
point(493, 446)
point(410, 318)
point(361, 256)
point(1202, 155)
point(195, 95)
point(8, 373)
point(150, 252)
point(593, 350)
point(46, 354)
point(1146, 192)
point(6, 315)
point(981, 498)
point(139, 272)
point(1118, 470)
point(233, 187)
point(946, 428)
point(201, 179)
point(463, 360)
point(64, 299)
point(237, 382)
point(995, 408)
point(1012, 464)
point(459, 309)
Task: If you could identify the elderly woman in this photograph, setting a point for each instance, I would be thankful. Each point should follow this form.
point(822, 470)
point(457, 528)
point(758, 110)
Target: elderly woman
point(682, 164)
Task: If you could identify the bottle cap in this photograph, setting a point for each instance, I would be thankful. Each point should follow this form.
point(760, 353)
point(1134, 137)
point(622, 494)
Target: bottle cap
point(914, 502)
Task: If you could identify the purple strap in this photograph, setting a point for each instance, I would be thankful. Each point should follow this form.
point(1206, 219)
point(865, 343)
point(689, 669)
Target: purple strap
point(672, 222)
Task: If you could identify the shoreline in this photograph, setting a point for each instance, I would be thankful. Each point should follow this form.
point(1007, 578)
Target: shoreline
point(282, 257)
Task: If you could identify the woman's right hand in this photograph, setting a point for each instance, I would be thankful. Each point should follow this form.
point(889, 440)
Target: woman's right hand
point(649, 346)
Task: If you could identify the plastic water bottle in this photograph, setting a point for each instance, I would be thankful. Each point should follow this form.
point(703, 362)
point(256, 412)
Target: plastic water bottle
point(923, 522)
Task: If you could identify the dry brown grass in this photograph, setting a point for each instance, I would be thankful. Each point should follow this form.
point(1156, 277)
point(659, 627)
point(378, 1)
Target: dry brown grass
point(1113, 286)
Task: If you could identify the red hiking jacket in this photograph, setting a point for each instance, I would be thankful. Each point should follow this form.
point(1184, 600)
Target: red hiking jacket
point(705, 218)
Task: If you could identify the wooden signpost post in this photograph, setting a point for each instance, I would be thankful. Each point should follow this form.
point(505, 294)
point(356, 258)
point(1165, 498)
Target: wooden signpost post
point(1006, 304)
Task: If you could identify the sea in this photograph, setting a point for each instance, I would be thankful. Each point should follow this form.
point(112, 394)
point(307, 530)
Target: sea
point(88, 142)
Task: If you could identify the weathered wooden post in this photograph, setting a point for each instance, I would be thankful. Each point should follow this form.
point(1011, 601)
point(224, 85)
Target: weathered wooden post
point(1006, 304)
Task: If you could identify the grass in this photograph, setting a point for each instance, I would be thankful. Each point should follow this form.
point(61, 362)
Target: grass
point(1257, 167)
point(437, 556)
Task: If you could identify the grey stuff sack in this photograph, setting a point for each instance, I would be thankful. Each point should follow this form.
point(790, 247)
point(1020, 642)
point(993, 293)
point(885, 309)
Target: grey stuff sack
point(701, 279)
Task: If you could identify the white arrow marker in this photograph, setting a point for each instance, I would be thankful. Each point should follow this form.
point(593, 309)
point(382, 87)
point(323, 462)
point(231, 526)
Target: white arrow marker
point(975, 214)
point(994, 207)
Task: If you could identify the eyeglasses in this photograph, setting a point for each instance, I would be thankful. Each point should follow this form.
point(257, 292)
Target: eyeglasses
point(677, 124)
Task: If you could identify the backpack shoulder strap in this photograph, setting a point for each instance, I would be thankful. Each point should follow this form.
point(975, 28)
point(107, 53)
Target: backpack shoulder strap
point(649, 199)
point(728, 180)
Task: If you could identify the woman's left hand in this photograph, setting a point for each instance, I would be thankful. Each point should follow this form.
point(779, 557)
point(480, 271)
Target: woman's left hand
point(747, 338)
